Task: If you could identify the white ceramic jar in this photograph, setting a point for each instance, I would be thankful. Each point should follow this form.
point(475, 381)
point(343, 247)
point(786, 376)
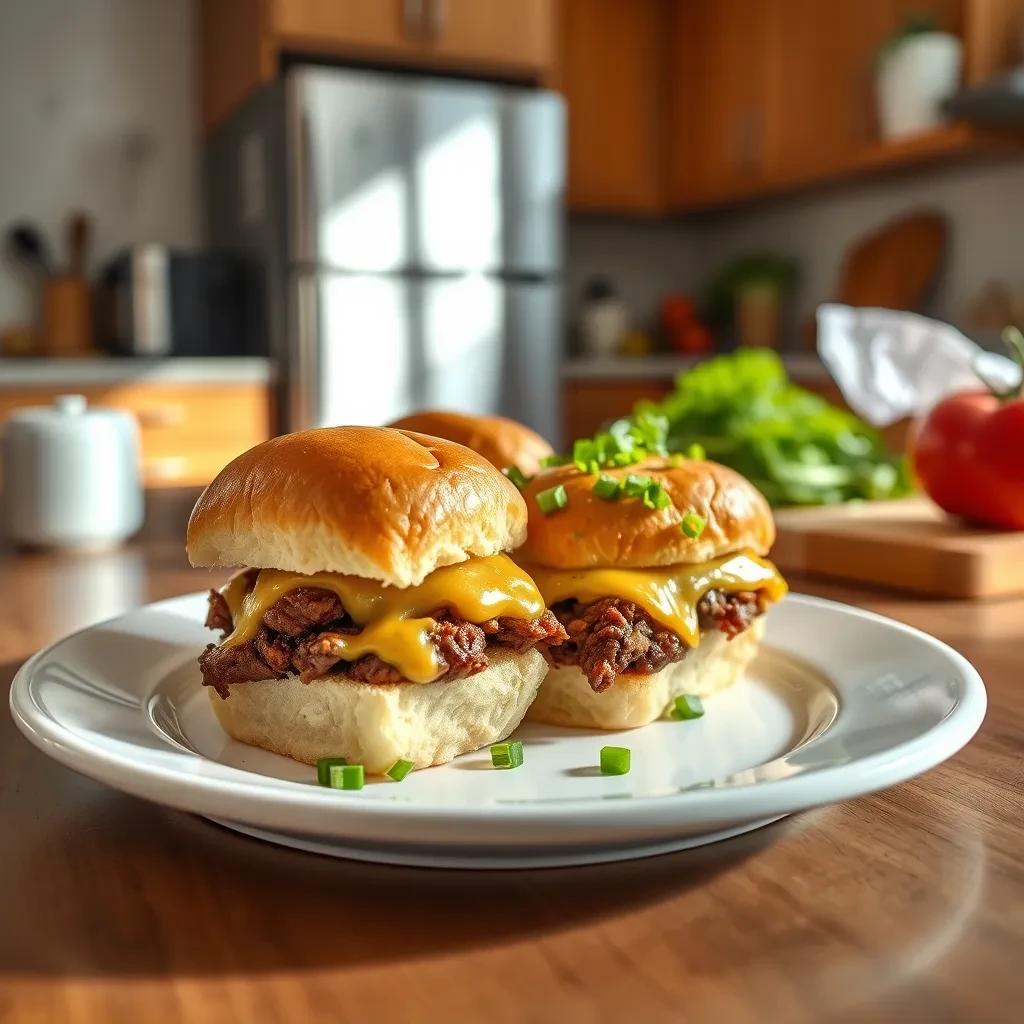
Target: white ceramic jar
point(913, 79)
point(71, 475)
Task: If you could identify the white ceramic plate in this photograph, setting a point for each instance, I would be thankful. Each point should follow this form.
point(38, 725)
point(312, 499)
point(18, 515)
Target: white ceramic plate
point(839, 702)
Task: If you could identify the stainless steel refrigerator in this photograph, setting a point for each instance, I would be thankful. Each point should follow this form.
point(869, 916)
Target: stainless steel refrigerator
point(404, 240)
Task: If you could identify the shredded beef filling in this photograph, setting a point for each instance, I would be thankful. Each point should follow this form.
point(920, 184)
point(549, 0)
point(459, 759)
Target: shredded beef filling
point(302, 633)
point(614, 637)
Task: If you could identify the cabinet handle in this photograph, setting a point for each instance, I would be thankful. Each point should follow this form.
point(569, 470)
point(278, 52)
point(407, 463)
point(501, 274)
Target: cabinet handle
point(437, 15)
point(165, 467)
point(161, 416)
point(412, 19)
point(747, 142)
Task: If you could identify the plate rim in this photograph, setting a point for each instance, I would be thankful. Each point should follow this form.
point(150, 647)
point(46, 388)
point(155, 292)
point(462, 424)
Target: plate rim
point(825, 785)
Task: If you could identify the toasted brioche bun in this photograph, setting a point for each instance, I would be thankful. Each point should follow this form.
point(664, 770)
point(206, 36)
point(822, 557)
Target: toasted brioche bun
point(590, 532)
point(375, 726)
point(502, 442)
point(566, 698)
point(388, 505)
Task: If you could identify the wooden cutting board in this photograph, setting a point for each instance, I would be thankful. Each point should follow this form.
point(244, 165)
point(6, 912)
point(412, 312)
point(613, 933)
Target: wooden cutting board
point(906, 544)
point(895, 266)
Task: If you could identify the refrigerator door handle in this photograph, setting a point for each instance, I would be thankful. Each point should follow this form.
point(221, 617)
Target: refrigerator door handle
point(412, 19)
point(303, 381)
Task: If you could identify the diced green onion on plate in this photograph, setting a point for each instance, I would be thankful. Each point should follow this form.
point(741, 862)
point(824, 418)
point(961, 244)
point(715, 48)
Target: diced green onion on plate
point(324, 766)
point(688, 706)
point(507, 755)
point(346, 776)
point(400, 769)
point(614, 760)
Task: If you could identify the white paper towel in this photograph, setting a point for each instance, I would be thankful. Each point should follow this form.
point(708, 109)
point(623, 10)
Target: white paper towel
point(890, 364)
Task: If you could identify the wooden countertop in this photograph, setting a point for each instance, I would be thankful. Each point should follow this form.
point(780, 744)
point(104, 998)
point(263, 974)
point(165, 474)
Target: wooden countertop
point(905, 905)
point(91, 371)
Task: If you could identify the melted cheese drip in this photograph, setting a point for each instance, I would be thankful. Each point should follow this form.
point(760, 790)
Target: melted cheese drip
point(395, 621)
point(669, 595)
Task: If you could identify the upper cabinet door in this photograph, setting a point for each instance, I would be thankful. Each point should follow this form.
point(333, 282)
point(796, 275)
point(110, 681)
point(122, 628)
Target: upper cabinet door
point(489, 34)
point(383, 25)
point(494, 33)
point(820, 78)
point(613, 76)
point(719, 108)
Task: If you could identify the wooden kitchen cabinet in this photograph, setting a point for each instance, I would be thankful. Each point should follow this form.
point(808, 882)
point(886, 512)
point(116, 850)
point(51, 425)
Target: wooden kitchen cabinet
point(188, 432)
point(243, 41)
point(770, 95)
point(612, 71)
point(718, 65)
point(491, 32)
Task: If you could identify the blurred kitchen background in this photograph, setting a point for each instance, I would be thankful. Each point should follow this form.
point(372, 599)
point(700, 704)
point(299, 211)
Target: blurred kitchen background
point(236, 217)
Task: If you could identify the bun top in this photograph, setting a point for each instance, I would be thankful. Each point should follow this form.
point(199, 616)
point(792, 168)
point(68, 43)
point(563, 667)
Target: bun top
point(502, 442)
point(590, 532)
point(388, 505)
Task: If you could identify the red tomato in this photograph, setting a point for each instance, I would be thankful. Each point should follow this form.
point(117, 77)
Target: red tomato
point(969, 457)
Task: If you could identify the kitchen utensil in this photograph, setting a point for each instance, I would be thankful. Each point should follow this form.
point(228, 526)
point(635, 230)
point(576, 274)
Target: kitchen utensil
point(29, 246)
point(71, 475)
point(67, 323)
point(838, 703)
point(908, 544)
point(79, 233)
point(895, 266)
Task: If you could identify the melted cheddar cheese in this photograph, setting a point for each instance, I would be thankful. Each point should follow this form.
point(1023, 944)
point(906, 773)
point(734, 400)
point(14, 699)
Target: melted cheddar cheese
point(670, 595)
point(395, 621)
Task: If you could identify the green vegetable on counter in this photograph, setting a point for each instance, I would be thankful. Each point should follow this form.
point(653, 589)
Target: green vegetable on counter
point(796, 448)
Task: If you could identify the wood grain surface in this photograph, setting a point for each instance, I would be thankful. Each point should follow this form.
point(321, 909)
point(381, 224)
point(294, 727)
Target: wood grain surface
point(909, 544)
point(903, 906)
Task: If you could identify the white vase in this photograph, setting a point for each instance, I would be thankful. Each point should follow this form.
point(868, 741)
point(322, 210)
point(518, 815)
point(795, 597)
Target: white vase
point(913, 79)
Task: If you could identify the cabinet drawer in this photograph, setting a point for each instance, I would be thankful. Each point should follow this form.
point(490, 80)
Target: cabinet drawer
point(187, 432)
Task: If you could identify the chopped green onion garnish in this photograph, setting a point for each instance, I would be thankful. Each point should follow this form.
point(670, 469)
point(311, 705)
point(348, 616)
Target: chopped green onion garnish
point(324, 766)
point(607, 488)
point(400, 769)
point(688, 706)
point(507, 755)
point(517, 476)
point(552, 499)
point(676, 460)
point(655, 495)
point(345, 776)
point(554, 460)
point(635, 486)
point(614, 760)
point(586, 455)
point(696, 451)
point(692, 525)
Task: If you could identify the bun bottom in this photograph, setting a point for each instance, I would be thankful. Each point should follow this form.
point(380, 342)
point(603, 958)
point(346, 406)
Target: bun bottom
point(566, 698)
point(375, 726)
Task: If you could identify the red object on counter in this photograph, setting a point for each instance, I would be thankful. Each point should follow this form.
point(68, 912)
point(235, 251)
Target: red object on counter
point(685, 333)
point(969, 452)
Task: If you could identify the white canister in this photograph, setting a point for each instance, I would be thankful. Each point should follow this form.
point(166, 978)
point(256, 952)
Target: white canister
point(71, 475)
point(913, 79)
